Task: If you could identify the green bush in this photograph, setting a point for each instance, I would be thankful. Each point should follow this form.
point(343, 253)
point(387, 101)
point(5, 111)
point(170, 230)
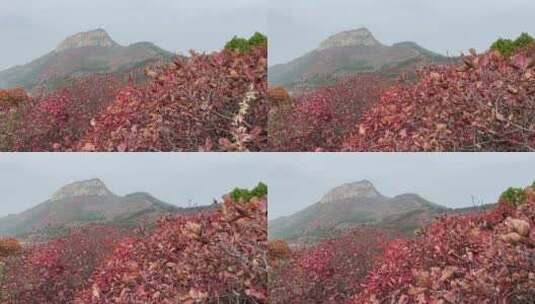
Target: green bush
point(514, 196)
point(245, 195)
point(244, 45)
point(507, 47)
point(523, 40)
point(239, 44)
point(257, 39)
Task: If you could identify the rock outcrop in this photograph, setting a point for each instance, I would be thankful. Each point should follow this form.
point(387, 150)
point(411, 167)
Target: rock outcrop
point(92, 187)
point(98, 38)
point(358, 37)
point(361, 189)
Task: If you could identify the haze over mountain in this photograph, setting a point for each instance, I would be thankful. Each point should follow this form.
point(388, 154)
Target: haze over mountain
point(446, 27)
point(357, 203)
point(32, 29)
point(351, 52)
point(85, 202)
point(82, 54)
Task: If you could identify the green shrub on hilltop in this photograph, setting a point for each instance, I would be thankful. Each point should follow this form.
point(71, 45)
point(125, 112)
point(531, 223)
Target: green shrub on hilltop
point(245, 195)
point(257, 39)
point(514, 196)
point(239, 44)
point(523, 40)
point(508, 47)
point(244, 45)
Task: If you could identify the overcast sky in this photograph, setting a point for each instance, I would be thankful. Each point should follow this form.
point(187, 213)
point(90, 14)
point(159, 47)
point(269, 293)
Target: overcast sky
point(298, 26)
point(32, 28)
point(29, 179)
point(300, 180)
point(295, 180)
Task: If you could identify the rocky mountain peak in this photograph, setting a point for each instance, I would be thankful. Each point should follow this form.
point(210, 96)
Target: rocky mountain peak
point(98, 37)
point(92, 187)
point(361, 189)
point(358, 37)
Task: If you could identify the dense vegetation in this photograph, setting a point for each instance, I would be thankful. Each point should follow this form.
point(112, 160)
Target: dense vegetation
point(484, 103)
point(475, 258)
point(321, 120)
point(215, 256)
point(204, 102)
point(245, 45)
point(330, 272)
point(508, 47)
point(245, 195)
point(483, 257)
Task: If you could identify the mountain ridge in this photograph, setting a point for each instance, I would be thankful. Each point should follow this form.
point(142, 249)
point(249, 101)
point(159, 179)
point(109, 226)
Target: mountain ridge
point(81, 54)
point(348, 53)
point(355, 204)
point(86, 202)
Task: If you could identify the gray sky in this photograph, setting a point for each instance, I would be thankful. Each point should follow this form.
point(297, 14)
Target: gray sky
point(28, 179)
point(32, 28)
point(295, 180)
point(300, 180)
point(298, 26)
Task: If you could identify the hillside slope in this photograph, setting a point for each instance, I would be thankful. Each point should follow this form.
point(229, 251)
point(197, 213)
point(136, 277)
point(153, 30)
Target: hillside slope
point(348, 53)
point(86, 202)
point(356, 204)
point(79, 55)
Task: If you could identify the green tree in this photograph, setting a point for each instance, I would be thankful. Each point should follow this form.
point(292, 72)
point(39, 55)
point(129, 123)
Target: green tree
point(245, 195)
point(257, 39)
point(244, 45)
point(239, 44)
point(505, 46)
point(523, 40)
point(514, 196)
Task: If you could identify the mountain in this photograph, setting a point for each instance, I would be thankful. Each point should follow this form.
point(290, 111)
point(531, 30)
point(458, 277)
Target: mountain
point(87, 202)
point(351, 52)
point(82, 54)
point(356, 204)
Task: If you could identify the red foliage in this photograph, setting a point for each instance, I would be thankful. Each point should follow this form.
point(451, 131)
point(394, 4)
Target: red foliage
point(54, 271)
point(485, 104)
point(205, 102)
point(322, 119)
point(478, 258)
point(213, 257)
point(330, 272)
point(57, 120)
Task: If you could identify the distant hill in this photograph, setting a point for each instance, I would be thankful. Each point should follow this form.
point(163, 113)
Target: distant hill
point(87, 202)
point(353, 204)
point(82, 54)
point(351, 52)
point(356, 204)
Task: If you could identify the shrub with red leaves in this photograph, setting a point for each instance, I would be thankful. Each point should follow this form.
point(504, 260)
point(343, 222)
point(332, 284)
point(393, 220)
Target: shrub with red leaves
point(212, 257)
point(485, 104)
point(330, 272)
point(57, 120)
point(204, 102)
point(477, 258)
point(54, 271)
point(322, 119)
